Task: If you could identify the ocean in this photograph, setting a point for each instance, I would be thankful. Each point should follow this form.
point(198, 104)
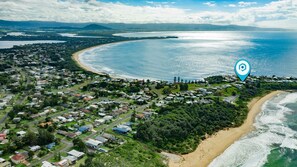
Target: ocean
point(195, 55)
point(273, 143)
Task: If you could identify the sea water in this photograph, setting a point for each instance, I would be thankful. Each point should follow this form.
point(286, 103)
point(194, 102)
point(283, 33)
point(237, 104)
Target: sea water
point(196, 54)
point(273, 143)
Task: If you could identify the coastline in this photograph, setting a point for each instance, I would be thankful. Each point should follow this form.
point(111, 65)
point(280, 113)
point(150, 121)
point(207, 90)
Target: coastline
point(75, 58)
point(216, 144)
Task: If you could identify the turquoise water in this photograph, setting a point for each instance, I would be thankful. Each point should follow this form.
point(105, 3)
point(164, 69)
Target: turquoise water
point(273, 143)
point(195, 55)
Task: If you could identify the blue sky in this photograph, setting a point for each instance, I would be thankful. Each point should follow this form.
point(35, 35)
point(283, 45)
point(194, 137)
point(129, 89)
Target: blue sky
point(263, 13)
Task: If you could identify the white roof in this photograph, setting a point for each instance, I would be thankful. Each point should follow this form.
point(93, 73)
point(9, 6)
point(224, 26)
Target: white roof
point(63, 162)
point(76, 153)
point(108, 117)
point(93, 142)
point(2, 160)
point(47, 164)
point(21, 132)
point(34, 148)
point(100, 120)
point(71, 158)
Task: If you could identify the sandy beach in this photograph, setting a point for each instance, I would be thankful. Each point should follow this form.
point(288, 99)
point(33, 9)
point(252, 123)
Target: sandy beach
point(75, 57)
point(213, 146)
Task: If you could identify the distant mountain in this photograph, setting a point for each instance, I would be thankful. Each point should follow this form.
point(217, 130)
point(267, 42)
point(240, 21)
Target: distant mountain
point(127, 27)
point(186, 27)
point(37, 24)
point(88, 27)
point(95, 27)
point(50, 25)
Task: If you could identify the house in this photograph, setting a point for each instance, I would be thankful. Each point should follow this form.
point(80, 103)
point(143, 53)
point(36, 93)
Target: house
point(93, 143)
point(47, 164)
point(107, 118)
point(108, 136)
point(62, 119)
point(140, 116)
point(120, 130)
point(83, 129)
point(99, 121)
point(101, 114)
point(51, 145)
point(45, 124)
point(101, 139)
point(63, 163)
point(67, 134)
point(126, 127)
point(76, 154)
point(4, 163)
point(21, 133)
point(2, 136)
point(17, 120)
point(71, 159)
point(19, 158)
point(35, 148)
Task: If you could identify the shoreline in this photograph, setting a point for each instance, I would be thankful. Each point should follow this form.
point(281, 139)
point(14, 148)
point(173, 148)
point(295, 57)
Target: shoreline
point(75, 58)
point(216, 144)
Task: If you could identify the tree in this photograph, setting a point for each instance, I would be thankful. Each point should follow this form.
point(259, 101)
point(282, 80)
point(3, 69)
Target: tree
point(30, 138)
point(11, 114)
point(30, 154)
point(166, 91)
point(183, 87)
point(57, 156)
point(79, 144)
point(133, 116)
point(51, 129)
point(45, 137)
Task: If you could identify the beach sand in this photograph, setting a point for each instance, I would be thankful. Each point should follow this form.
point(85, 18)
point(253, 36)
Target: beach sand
point(75, 57)
point(216, 144)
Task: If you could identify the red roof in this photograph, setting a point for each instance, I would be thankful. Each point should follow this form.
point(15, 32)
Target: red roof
point(18, 157)
point(2, 136)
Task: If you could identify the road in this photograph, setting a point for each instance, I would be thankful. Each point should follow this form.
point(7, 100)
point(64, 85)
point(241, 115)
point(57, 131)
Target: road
point(67, 147)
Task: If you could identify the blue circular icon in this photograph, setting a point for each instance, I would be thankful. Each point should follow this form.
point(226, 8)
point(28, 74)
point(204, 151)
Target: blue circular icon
point(242, 69)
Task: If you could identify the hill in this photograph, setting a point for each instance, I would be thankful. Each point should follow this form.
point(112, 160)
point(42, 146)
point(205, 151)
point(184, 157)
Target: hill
point(128, 27)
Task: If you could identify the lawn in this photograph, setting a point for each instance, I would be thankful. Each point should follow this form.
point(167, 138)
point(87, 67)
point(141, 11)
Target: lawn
point(229, 91)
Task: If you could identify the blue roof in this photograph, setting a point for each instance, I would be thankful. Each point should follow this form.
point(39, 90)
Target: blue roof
point(129, 123)
point(120, 130)
point(83, 128)
point(51, 145)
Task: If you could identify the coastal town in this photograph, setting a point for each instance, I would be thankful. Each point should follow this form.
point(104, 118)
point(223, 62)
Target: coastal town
point(53, 113)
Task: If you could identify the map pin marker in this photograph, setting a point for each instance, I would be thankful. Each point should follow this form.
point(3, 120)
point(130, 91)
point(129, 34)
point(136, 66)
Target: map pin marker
point(242, 69)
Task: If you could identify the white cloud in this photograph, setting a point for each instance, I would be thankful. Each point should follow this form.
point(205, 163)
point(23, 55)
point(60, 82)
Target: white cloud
point(232, 5)
point(279, 13)
point(210, 4)
point(246, 4)
point(242, 4)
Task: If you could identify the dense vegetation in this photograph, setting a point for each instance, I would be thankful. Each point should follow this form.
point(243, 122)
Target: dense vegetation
point(179, 127)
